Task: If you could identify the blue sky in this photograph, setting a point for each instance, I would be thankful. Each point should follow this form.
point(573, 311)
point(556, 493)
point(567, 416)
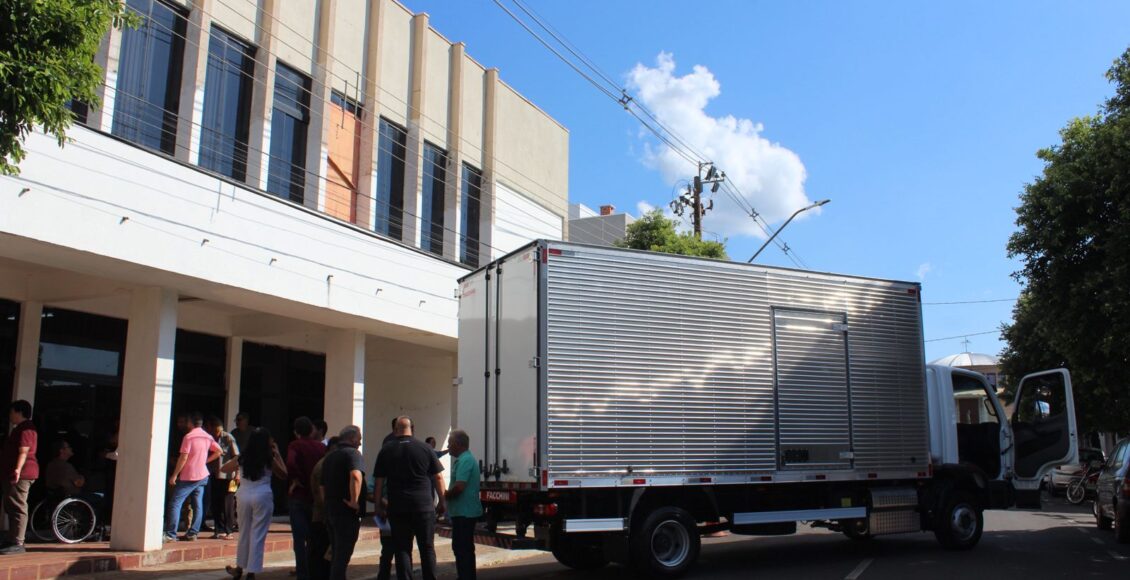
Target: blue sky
point(919, 120)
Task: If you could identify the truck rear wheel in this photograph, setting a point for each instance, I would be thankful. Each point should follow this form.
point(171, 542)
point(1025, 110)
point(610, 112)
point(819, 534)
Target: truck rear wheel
point(666, 544)
point(857, 529)
point(579, 551)
point(960, 522)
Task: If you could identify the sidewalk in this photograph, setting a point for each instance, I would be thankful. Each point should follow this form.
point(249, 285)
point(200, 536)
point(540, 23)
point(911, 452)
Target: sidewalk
point(279, 564)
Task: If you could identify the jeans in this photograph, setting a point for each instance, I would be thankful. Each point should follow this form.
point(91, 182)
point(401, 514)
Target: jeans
point(344, 525)
point(388, 554)
point(463, 544)
point(301, 512)
point(420, 526)
point(182, 491)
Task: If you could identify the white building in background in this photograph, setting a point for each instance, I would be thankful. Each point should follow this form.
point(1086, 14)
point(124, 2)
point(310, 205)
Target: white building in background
point(268, 212)
point(601, 229)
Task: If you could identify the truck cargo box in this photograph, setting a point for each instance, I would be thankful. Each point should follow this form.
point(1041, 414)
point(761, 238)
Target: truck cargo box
point(586, 366)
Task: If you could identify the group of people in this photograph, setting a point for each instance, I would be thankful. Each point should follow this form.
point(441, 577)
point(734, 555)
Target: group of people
point(327, 494)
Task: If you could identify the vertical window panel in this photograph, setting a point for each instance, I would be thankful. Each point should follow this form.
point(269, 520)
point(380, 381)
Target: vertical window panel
point(431, 210)
point(227, 105)
point(149, 74)
point(469, 212)
point(392, 146)
point(343, 157)
point(286, 171)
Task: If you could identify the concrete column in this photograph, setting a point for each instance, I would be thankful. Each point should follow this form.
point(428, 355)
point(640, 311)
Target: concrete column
point(190, 115)
point(318, 131)
point(233, 375)
point(413, 165)
point(367, 181)
point(147, 394)
point(489, 192)
point(263, 96)
point(27, 352)
point(345, 379)
point(451, 201)
point(101, 116)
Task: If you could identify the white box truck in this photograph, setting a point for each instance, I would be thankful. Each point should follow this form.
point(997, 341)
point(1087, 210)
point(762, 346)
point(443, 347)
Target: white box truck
point(624, 403)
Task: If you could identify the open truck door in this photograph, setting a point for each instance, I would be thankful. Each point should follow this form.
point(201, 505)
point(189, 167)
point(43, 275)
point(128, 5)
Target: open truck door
point(1044, 430)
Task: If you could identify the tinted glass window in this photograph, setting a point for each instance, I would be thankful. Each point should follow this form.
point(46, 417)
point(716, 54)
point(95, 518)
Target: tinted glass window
point(391, 150)
point(286, 174)
point(227, 105)
point(972, 401)
point(1118, 457)
point(469, 215)
point(431, 212)
point(148, 85)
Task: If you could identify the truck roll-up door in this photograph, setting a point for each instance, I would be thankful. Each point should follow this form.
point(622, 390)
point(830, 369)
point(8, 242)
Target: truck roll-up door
point(812, 389)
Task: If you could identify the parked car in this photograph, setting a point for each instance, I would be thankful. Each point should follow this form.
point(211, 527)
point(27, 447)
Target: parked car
point(1062, 475)
point(1112, 497)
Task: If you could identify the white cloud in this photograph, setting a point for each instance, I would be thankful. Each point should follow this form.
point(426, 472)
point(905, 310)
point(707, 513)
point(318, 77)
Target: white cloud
point(771, 176)
point(923, 269)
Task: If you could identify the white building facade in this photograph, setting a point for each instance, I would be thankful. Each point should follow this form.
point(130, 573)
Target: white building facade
point(268, 212)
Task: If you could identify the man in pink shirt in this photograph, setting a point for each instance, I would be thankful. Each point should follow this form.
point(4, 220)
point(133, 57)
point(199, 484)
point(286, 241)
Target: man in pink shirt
point(189, 478)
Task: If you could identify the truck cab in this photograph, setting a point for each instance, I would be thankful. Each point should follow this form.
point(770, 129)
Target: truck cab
point(1005, 450)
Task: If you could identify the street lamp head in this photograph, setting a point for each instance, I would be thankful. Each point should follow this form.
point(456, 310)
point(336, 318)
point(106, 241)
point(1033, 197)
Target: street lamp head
point(821, 202)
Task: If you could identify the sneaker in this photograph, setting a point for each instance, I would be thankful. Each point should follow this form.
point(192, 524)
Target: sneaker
point(171, 539)
point(13, 549)
point(190, 537)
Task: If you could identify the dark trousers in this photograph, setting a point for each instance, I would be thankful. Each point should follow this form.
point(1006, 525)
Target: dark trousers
point(316, 545)
point(344, 525)
point(222, 505)
point(301, 513)
point(420, 526)
point(463, 544)
point(388, 554)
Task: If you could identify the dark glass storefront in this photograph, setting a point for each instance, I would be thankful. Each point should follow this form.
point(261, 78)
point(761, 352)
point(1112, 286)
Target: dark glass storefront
point(9, 331)
point(277, 386)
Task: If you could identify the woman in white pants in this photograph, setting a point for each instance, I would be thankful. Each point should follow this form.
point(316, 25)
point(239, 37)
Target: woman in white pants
point(256, 502)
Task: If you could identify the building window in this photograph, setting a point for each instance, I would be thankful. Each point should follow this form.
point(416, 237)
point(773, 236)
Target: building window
point(149, 70)
point(80, 110)
point(469, 207)
point(227, 105)
point(343, 157)
point(392, 147)
point(286, 171)
point(431, 210)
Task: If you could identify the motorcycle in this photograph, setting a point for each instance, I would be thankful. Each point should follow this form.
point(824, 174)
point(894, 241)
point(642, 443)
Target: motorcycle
point(1078, 487)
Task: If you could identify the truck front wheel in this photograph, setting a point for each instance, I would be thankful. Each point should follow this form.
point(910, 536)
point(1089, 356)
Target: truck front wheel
point(960, 522)
point(666, 544)
point(579, 551)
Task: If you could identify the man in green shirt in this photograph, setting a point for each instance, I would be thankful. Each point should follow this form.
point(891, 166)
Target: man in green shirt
point(463, 504)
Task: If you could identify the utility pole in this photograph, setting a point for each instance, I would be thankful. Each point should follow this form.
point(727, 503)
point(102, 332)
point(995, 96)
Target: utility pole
point(692, 197)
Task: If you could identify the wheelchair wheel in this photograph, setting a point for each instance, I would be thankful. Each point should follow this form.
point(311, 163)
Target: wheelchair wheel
point(74, 521)
point(40, 522)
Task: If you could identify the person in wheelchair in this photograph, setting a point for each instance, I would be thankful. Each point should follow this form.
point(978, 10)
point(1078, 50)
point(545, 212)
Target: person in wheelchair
point(64, 481)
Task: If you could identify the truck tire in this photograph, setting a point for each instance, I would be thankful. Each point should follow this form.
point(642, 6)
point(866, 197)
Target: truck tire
point(579, 552)
point(857, 529)
point(960, 522)
point(666, 544)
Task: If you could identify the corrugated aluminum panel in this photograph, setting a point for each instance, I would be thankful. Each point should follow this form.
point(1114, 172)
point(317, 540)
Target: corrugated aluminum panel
point(663, 365)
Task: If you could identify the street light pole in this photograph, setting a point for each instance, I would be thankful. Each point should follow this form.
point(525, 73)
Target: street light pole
point(772, 237)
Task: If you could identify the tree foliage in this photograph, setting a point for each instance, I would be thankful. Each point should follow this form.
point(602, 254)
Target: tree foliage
point(1073, 239)
point(47, 50)
point(657, 233)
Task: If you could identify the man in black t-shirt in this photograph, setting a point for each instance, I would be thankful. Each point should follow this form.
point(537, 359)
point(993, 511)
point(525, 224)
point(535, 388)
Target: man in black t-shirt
point(342, 481)
point(410, 469)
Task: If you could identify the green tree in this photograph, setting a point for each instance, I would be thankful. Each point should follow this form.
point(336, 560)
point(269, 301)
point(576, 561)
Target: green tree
point(47, 50)
point(1073, 239)
point(657, 233)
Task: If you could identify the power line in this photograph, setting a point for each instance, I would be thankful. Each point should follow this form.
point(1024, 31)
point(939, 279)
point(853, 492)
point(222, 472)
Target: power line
point(963, 335)
point(969, 302)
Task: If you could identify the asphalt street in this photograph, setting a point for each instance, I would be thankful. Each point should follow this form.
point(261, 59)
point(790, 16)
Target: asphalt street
point(1061, 541)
